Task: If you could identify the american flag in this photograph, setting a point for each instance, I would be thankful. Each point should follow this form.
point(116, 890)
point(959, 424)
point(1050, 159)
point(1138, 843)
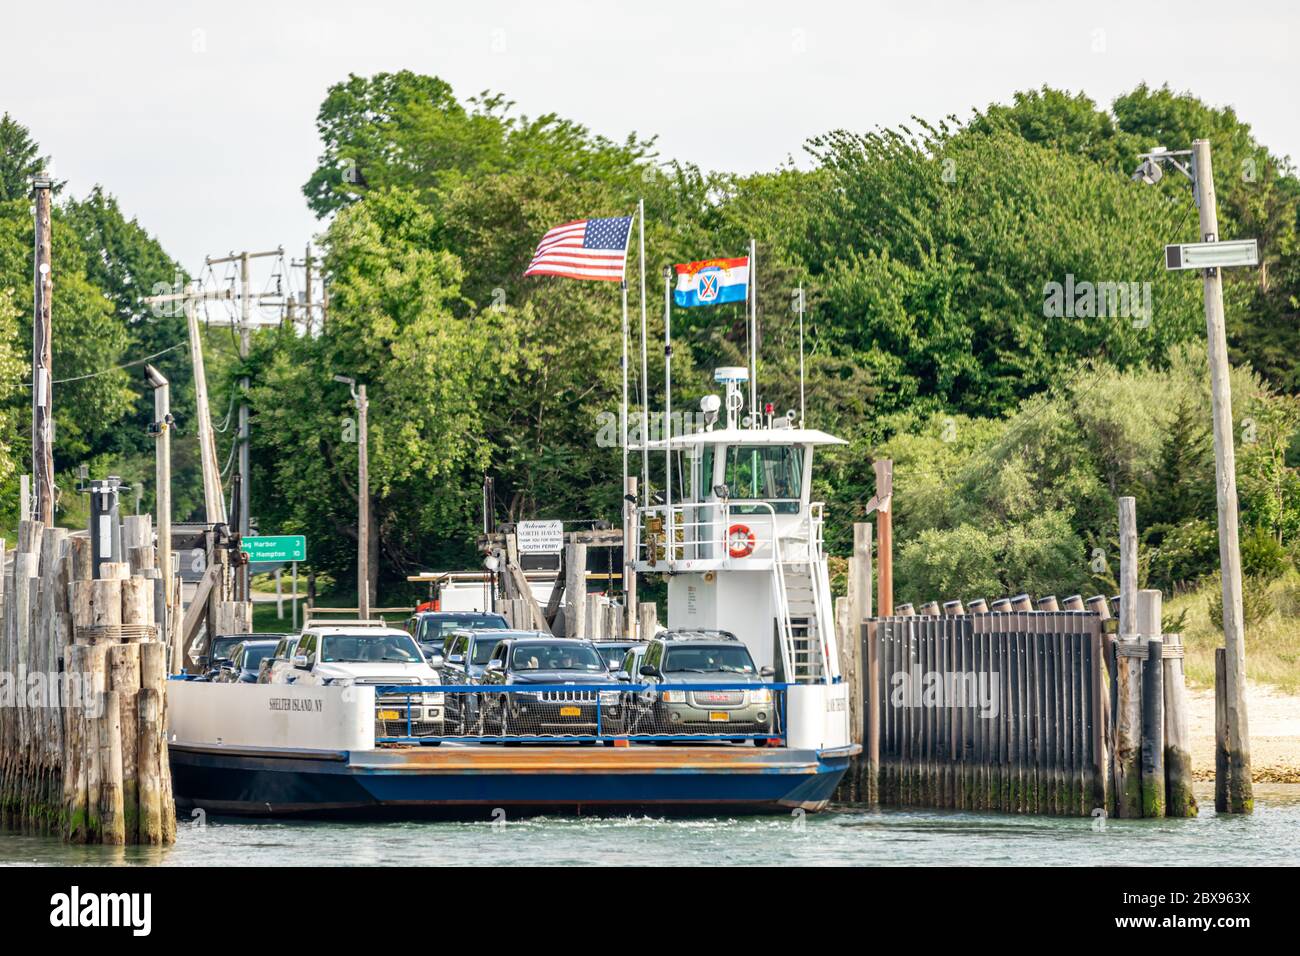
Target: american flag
point(586, 249)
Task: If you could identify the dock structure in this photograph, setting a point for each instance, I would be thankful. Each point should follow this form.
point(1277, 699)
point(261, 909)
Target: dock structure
point(83, 754)
point(1021, 706)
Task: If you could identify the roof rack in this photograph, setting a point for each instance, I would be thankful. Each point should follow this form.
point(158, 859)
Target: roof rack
point(313, 615)
point(696, 634)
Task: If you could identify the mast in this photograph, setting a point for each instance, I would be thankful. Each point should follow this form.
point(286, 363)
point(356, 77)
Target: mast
point(753, 335)
point(645, 366)
point(668, 412)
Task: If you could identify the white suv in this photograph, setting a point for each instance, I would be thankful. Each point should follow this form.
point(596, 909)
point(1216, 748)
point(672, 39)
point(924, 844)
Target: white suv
point(359, 654)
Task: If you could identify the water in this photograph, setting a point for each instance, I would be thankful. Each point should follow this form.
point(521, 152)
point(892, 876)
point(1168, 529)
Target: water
point(843, 837)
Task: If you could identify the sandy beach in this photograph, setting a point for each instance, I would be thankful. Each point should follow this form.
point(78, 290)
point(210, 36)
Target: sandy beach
point(1274, 733)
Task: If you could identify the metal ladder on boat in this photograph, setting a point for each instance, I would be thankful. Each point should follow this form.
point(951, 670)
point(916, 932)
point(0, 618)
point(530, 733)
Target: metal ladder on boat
point(802, 605)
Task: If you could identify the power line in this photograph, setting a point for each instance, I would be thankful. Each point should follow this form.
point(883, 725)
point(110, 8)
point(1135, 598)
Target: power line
point(115, 368)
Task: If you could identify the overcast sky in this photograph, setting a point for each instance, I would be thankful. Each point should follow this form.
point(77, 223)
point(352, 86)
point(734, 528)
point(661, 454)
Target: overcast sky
point(200, 116)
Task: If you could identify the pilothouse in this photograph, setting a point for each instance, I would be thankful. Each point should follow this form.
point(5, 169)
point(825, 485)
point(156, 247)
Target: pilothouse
point(739, 540)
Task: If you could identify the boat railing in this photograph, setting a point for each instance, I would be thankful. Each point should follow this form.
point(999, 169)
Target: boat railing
point(701, 531)
point(621, 715)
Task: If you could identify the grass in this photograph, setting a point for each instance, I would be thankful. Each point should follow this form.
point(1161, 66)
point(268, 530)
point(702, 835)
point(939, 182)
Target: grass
point(265, 621)
point(1272, 647)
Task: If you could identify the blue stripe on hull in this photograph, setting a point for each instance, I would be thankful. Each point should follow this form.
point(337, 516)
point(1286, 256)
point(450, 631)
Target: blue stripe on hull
point(268, 785)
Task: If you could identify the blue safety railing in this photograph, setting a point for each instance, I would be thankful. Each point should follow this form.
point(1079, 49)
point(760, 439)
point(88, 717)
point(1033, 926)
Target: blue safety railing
point(578, 712)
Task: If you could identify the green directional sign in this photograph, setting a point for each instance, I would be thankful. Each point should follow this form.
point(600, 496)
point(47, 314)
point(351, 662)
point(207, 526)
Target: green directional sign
point(275, 547)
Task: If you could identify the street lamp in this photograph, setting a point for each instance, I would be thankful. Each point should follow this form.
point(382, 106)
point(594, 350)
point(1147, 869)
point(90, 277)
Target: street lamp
point(363, 494)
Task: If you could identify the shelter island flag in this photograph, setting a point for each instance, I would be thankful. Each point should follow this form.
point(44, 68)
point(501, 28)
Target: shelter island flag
point(711, 282)
point(585, 249)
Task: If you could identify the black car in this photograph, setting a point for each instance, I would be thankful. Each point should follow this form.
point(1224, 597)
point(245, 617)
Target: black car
point(467, 652)
point(615, 651)
point(223, 650)
point(246, 661)
point(519, 662)
point(432, 628)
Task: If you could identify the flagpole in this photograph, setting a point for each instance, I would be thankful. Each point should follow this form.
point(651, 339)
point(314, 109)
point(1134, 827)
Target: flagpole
point(801, 399)
point(753, 335)
point(668, 415)
point(645, 367)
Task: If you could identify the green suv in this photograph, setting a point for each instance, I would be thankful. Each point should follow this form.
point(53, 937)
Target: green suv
point(701, 657)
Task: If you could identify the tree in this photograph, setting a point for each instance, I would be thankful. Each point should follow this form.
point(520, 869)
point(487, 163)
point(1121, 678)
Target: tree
point(20, 160)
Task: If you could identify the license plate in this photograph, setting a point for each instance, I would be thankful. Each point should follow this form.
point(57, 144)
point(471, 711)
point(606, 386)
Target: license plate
point(570, 711)
point(719, 715)
point(390, 715)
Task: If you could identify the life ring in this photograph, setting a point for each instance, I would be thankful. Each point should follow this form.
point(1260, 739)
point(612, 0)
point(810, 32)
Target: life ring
point(740, 541)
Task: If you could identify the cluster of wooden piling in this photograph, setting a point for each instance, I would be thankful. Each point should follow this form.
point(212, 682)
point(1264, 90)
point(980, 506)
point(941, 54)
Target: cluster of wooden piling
point(1091, 705)
point(83, 751)
point(991, 712)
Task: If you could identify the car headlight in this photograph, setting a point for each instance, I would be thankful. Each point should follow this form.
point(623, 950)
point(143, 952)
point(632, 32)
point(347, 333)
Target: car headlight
point(609, 696)
point(337, 682)
point(530, 694)
point(674, 696)
point(435, 698)
point(763, 696)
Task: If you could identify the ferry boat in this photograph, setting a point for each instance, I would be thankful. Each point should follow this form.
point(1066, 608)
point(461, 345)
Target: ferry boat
point(740, 544)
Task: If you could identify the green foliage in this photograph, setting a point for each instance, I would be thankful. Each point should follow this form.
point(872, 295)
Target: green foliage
point(1263, 557)
point(20, 160)
point(1256, 603)
point(968, 230)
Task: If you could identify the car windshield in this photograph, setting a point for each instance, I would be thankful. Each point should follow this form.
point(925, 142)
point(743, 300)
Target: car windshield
point(224, 646)
point(481, 651)
point(433, 628)
point(557, 657)
point(255, 655)
point(369, 649)
point(613, 655)
point(709, 660)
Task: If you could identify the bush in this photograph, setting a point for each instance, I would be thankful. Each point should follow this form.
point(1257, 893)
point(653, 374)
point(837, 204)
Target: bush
point(1262, 557)
point(1256, 604)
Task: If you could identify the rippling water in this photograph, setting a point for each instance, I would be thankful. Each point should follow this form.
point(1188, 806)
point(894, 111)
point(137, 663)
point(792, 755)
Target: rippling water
point(841, 837)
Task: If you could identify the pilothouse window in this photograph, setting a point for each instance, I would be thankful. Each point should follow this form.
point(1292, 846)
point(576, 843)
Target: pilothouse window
point(766, 473)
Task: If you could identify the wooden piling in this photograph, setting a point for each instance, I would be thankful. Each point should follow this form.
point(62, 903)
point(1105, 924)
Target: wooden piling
point(1180, 801)
point(1222, 802)
point(124, 679)
point(111, 813)
point(977, 606)
point(149, 746)
point(1149, 608)
point(1128, 718)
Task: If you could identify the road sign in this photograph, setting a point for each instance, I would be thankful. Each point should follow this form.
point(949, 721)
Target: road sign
point(540, 537)
point(1212, 255)
point(275, 547)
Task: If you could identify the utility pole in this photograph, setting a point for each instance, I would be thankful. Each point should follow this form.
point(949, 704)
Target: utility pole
point(363, 503)
point(307, 264)
point(161, 429)
point(1233, 791)
point(1239, 797)
point(214, 502)
point(363, 493)
point(42, 359)
point(245, 338)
